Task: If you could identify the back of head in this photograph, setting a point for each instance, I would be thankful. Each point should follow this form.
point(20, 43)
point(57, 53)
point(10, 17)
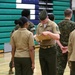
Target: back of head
point(51, 17)
point(22, 21)
point(16, 22)
point(43, 15)
point(25, 13)
point(67, 12)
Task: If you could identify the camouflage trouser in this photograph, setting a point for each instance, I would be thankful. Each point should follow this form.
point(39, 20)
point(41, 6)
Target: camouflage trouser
point(61, 61)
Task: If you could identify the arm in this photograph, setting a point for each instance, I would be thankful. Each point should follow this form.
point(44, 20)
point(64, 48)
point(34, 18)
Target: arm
point(31, 27)
point(70, 46)
point(52, 35)
point(58, 42)
point(13, 50)
point(70, 49)
point(63, 49)
point(55, 32)
point(31, 53)
point(13, 53)
point(31, 49)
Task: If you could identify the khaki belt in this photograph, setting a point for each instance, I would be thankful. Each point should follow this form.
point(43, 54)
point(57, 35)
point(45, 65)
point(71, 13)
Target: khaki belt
point(45, 47)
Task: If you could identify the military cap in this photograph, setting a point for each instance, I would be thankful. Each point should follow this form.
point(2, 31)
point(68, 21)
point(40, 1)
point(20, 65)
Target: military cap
point(43, 14)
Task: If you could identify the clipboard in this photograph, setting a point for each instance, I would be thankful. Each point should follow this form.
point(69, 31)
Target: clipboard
point(42, 37)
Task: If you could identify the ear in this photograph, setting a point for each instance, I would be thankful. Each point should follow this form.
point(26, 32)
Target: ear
point(26, 23)
point(47, 17)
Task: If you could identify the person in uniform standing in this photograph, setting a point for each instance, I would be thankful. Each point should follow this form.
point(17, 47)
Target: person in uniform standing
point(26, 13)
point(51, 17)
point(66, 26)
point(47, 51)
point(71, 52)
point(31, 27)
point(22, 43)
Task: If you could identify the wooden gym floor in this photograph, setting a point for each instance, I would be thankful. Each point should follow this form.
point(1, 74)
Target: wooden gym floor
point(5, 59)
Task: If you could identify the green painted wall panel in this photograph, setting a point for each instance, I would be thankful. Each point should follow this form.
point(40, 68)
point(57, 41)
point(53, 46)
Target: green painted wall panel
point(4, 40)
point(7, 5)
point(57, 21)
point(10, 11)
point(9, 17)
point(61, 3)
point(59, 17)
point(58, 12)
point(1, 47)
point(6, 29)
point(7, 23)
point(62, 0)
point(5, 35)
point(60, 7)
point(73, 17)
point(7, 0)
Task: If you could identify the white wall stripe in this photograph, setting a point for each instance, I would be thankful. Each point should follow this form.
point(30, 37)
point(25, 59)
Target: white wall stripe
point(32, 11)
point(73, 4)
point(18, 1)
point(32, 17)
point(25, 6)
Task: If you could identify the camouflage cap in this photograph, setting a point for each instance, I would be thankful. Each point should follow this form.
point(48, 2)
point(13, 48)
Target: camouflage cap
point(43, 14)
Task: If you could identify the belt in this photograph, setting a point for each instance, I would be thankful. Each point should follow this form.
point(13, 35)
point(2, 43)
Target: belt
point(45, 47)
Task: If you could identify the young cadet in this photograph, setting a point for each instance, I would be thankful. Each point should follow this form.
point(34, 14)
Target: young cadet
point(31, 27)
point(71, 52)
point(47, 51)
point(22, 43)
point(26, 13)
point(66, 26)
point(51, 17)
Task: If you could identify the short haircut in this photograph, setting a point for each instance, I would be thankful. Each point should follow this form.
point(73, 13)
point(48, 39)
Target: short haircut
point(51, 17)
point(67, 12)
point(43, 15)
point(25, 12)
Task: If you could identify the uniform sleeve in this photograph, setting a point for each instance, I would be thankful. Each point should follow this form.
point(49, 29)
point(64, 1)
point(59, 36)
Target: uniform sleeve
point(31, 40)
point(31, 26)
point(72, 26)
point(12, 42)
point(56, 28)
point(70, 48)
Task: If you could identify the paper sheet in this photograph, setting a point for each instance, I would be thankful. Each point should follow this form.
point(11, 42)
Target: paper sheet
point(42, 37)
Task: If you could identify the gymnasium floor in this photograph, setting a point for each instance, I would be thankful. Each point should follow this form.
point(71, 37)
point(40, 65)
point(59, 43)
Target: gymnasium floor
point(5, 59)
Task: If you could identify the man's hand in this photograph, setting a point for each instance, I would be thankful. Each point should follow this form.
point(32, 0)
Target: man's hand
point(64, 49)
point(36, 38)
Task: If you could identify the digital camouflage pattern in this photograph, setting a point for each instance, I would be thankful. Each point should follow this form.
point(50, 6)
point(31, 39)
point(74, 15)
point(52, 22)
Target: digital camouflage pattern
point(66, 27)
point(31, 27)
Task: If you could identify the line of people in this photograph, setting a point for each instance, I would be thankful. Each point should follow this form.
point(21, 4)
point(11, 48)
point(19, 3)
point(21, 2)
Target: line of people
point(53, 53)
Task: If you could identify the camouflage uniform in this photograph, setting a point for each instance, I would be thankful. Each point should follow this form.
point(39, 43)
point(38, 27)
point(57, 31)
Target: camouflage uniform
point(66, 26)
